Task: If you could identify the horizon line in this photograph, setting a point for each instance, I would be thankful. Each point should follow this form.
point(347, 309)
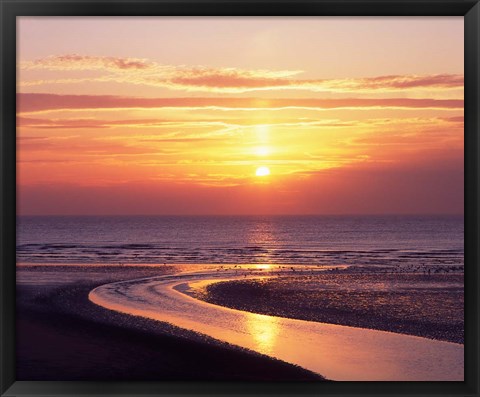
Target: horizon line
point(246, 215)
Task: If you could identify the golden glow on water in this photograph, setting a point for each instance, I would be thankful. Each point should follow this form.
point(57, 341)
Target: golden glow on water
point(337, 352)
point(264, 330)
point(264, 235)
point(263, 267)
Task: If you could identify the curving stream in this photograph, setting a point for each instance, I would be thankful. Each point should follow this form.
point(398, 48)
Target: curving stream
point(336, 352)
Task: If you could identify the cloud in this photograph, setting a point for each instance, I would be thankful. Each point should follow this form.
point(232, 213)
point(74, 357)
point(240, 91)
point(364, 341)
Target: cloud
point(368, 189)
point(76, 149)
point(397, 82)
point(226, 124)
point(237, 81)
point(199, 122)
point(86, 62)
point(88, 123)
point(46, 102)
point(226, 80)
point(455, 119)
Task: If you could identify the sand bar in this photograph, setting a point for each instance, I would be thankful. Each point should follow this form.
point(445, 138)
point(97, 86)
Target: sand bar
point(334, 351)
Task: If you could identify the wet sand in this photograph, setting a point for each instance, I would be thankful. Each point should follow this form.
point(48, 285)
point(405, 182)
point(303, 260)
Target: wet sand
point(64, 336)
point(417, 304)
point(61, 335)
point(335, 351)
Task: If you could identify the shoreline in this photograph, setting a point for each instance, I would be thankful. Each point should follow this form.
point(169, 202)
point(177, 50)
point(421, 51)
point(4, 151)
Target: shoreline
point(337, 352)
point(61, 335)
point(53, 305)
point(417, 313)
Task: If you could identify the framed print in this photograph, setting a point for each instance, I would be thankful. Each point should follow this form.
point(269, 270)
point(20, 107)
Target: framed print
point(240, 198)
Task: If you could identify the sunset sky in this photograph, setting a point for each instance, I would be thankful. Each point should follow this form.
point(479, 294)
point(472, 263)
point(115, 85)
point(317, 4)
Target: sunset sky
point(158, 115)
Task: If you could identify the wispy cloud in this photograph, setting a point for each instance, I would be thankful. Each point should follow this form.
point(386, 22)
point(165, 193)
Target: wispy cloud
point(27, 103)
point(225, 124)
point(396, 82)
point(199, 122)
point(226, 80)
point(86, 62)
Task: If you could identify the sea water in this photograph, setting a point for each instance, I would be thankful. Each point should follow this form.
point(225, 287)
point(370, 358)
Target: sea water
point(321, 240)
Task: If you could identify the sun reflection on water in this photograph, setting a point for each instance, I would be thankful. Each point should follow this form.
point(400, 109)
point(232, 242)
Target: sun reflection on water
point(263, 237)
point(264, 330)
point(263, 267)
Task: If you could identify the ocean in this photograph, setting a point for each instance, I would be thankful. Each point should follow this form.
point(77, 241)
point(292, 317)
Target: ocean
point(320, 240)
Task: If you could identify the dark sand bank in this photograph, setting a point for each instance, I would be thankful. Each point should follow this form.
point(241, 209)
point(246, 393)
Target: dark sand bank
point(416, 304)
point(61, 335)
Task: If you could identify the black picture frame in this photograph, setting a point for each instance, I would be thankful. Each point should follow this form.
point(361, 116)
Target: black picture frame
point(10, 9)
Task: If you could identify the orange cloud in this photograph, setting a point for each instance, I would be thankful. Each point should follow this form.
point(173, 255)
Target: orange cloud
point(43, 102)
point(229, 80)
point(431, 189)
point(86, 62)
point(87, 123)
point(99, 123)
point(237, 81)
point(66, 123)
point(397, 82)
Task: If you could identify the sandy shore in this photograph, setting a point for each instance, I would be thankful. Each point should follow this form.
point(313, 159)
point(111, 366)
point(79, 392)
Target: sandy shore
point(61, 335)
point(335, 351)
point(430, 306)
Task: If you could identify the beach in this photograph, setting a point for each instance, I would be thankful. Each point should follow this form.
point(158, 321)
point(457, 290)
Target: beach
point(426, 305)
point(62, 335)
point(240, 199)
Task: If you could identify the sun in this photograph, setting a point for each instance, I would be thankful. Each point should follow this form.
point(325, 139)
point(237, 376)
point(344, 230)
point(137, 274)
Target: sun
point(262, 171)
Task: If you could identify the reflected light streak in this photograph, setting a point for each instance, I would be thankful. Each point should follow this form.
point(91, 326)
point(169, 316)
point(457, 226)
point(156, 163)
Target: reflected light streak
point(263, 267)
point(337, 352)
point(263, 235)
point(262, 131)
point(264, 330)
point(261, 151)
